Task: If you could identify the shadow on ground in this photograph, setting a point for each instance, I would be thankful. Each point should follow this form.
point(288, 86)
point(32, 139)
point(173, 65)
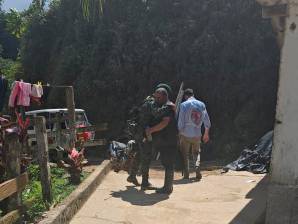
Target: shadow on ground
point(139, 197)
point(185, 181)
point(254, 211)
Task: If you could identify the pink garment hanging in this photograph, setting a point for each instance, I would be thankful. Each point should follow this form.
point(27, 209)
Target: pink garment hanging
point(14, 93)
point(24, 95)
point(20, 94)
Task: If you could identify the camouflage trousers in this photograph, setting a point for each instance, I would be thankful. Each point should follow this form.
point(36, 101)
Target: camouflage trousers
point(142, 158)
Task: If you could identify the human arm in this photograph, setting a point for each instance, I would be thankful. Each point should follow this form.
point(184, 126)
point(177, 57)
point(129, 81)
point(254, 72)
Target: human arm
point(207, 124)
point(164, 123)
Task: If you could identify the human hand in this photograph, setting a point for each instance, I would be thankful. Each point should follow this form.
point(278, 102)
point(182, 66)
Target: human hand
point(206, 138)
point(148, 131)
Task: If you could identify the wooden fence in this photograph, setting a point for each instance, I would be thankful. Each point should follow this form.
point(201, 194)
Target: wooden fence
point(11, 189)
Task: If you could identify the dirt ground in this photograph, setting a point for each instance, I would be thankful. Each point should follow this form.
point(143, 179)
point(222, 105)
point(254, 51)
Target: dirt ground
point(234, 197)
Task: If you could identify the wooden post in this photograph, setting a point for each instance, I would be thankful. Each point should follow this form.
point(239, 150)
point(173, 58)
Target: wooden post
point(13, 154)
point(71, 113)
point(43, 158)
point(58, 135)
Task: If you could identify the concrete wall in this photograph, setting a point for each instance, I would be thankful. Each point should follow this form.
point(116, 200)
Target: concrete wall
point(282, 206)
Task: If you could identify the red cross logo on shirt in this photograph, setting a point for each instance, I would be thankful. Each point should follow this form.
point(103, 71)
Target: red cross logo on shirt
point(196, 117)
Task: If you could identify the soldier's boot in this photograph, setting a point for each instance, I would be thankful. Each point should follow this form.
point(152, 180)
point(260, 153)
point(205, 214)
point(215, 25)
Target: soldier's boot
point(198, 173)
point(146, 185)
point(168, 184)
point(133, 179)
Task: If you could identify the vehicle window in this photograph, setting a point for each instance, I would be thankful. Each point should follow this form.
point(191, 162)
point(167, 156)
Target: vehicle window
point(81, 119)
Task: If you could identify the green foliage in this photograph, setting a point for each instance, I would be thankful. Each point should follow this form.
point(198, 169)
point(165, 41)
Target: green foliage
point(224, 50)
point(15, 23)
point(9, 68)
point(8, 43)
point(32, 195)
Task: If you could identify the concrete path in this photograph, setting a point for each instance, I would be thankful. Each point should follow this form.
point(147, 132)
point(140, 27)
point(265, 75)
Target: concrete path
point(234, 197)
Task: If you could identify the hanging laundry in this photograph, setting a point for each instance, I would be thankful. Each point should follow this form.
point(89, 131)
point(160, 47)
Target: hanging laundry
point(24, 96)
point(14, 93)
point(37, 91)
point(3, 90)
point(20, 94)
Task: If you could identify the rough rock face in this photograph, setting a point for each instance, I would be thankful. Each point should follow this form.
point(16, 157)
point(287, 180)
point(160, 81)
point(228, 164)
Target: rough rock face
point(224, 50)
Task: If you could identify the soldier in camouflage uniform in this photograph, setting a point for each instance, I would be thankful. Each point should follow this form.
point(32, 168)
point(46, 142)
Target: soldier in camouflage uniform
point(144, 152)
point(146, 115)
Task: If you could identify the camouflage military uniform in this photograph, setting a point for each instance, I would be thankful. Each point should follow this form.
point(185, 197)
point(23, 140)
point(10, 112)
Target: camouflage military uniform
point(144, 153)
point(149, 113)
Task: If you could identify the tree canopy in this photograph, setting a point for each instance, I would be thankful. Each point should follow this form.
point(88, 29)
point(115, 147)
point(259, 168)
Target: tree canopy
point(224, 50)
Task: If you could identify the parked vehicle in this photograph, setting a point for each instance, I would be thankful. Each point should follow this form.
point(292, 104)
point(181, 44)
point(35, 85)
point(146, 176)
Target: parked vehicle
point(51, 116)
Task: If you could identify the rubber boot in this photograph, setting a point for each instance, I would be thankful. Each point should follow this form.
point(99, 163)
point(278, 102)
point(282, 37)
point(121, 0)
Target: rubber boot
point(168, 184)
point(198, 173)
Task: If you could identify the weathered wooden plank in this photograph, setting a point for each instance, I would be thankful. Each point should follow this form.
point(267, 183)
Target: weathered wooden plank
point(11, 217)
point(71, 113)
point(12, 186)
point(276, 10)
point(43, 158)
point(13, 167)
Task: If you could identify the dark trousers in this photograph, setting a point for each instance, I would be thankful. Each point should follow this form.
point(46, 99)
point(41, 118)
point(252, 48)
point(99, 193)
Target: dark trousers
point(167, 156)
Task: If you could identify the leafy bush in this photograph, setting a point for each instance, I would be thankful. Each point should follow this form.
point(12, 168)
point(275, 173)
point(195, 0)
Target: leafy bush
point(32, 195)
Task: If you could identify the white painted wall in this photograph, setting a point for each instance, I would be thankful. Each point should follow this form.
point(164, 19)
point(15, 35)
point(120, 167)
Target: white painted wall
point(285, 148)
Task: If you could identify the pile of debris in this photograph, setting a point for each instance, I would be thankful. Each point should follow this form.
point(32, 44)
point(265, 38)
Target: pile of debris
point(256, 159)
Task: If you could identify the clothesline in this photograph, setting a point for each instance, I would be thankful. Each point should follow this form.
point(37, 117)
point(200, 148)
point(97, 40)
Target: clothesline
point(55, 86)
point(23, 93)
point(45, 85)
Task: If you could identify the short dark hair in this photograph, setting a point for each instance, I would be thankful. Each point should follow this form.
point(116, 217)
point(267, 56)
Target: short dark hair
point(165, 86)
point(163, 91)
point(188, 92)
